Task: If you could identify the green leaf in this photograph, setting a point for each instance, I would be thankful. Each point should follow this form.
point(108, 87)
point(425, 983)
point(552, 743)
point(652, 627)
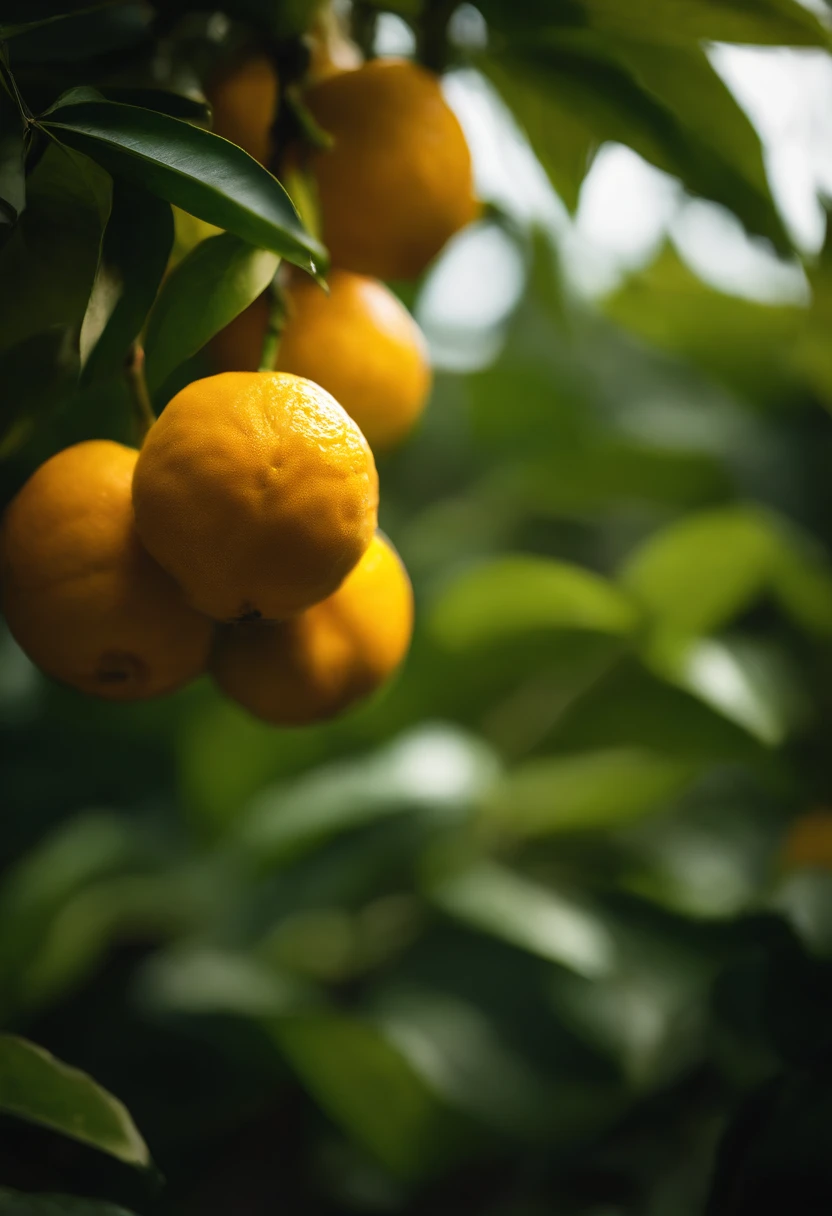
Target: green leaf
point(364, 1083)
point(37, 1087)
point(22, 15)
point(591, 790)
point(745, 344)
point(48, 263)
point(13, 1203)
point(556, 927)
point(433, 769)
point(34, 376)
point(137, 245)
point(514, 595)
point(164, 101)
point(12, 158)
point(602, 85)
point(562, 142)
point(670, 22)
point(701, 572)
point(207, 289)
point(196, 170)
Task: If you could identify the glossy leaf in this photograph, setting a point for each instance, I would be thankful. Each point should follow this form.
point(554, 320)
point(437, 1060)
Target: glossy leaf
point(701, 572)
point(37, 1087)
point(365, 1084)
point(207, 289)
point(194, 169)
point(590, 790)
point(14, 1203)
point(48, 263)
point(491, 898)
point(137, 245)
point(511, 596)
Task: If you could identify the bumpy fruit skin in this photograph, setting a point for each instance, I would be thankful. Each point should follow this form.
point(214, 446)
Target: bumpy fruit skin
point(81, 596)
point(359, 343)
point(244, 102)
point(397, 182)
point(317, 664)
point(257, 493)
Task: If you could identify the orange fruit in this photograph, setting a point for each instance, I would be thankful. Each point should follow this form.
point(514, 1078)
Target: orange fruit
point(244, 100)
point(809, 842)
point(257, 493)
point(81, 596)
point(316, 664)
point(397, 182)
point(359, 343)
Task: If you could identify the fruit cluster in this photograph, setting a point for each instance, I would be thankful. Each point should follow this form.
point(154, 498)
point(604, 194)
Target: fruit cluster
point(242, 539)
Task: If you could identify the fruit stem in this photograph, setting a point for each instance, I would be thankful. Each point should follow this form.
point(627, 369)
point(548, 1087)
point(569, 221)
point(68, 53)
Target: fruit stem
point(143, 415)
point(274, 329)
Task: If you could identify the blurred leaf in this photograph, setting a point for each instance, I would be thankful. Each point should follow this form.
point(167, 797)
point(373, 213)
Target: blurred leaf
point(563, 144)
point(207, 289)
point(459, 1051)
point(745, 344)
point(494, 900)
point(520, 594)
point(195, 979)
point(34, 375)
point(137, 244)
point(13, 1203)
point(741, 680)
point(592, 78)
point(435, 769)
point(802, 583)
point(194, 169)
point(12, 158)
point(37, 1087)
point(591, 790)
point(48, 263)
point(86, 34)
point(769, 22)
point(365, 1084)
point(704, 570)
point(22, 15)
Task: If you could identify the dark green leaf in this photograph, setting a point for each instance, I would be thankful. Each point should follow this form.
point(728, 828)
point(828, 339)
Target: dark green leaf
point(137, 245)
point(37, 1087)
point(34, 376)
point(605, 92)
point(365, 1084)
point(563, 143)
point(164, 101)
point(207, 289)
point(22, 15)
point(194, 169)
point(48, 263)
point(13, 1203)
point(768, 22)
point(12, 158)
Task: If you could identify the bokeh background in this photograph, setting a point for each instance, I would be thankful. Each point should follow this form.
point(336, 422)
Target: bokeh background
point(544, 927)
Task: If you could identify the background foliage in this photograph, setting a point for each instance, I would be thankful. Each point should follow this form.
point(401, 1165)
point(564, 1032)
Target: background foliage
point(520, 936)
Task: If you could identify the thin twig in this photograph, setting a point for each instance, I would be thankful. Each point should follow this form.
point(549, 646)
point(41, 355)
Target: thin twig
point(143, 415)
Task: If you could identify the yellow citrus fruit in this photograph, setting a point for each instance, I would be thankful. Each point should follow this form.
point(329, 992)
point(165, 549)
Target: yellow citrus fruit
point(359, 343)
point(397, 182)
point(244, 100)
point(80, 594)
point(257, 492)
point(316, 664)
point(809, 842)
